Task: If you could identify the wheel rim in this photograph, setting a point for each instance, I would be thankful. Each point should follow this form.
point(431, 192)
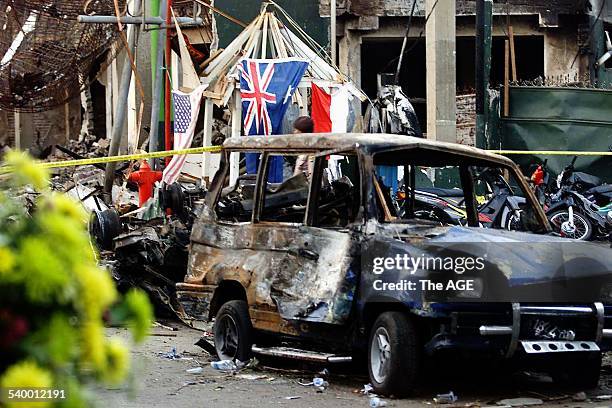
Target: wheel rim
point(226, 337)
point(581, 228)
point(380, 354)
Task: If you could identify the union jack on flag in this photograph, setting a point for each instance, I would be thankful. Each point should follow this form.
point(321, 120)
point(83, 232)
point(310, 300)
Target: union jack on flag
point(266, 87)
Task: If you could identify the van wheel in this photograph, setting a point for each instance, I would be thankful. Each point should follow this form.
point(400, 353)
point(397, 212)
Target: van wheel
point(394, 358)
point(580, 370)
point(233, 331)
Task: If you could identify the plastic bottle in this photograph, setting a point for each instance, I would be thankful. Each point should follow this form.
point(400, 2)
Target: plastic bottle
point(223, 365)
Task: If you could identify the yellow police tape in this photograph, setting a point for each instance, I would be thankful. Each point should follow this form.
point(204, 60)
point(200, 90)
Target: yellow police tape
point(125, 157)
point(217, 149)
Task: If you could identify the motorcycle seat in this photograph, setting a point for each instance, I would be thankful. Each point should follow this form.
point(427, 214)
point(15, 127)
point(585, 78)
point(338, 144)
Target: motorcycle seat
point(603, 189)
point(442, 192)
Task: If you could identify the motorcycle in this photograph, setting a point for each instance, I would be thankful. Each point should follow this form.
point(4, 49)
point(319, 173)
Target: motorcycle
point(573, 209)
point(502, 210)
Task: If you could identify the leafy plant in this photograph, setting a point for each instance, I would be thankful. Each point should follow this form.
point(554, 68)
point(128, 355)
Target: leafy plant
point(54, 296)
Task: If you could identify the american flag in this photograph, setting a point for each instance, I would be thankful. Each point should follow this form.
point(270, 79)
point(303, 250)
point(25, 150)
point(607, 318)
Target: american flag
point(186, 109)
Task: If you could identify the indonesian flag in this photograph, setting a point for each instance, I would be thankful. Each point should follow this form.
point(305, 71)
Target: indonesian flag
point(186, 110)
point(330, 111)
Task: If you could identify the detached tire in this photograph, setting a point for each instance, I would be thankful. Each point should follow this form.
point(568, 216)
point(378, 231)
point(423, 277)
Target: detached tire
point(394, 357)
point(233, 331)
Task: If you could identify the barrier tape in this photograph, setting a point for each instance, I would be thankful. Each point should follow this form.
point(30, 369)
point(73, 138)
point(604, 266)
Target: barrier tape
point(551, 152)
point(122, 158)
point(217, 149)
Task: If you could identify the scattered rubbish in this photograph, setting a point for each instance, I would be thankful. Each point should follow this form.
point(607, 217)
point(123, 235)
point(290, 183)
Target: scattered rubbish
point(207, 346)
point(252, 376)
point(519, 402)
point(579, 396)
point(229, 365)
point(603, 397)
point(376, 402)
point(163, 326)
point(172, 355)
point(195, 370)
point(293, 397)
point(324, 373)
point(163, 334)
point(224, 365)
point(367, 389)
point(449, 398)
point(316, 382)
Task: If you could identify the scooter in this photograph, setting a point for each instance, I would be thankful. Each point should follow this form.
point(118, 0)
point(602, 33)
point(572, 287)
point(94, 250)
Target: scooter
point(502, 210)
point(571, 213)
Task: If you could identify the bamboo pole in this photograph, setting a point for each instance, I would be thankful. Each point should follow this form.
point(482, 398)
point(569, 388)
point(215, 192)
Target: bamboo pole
point(506, 78)
point(512, 54)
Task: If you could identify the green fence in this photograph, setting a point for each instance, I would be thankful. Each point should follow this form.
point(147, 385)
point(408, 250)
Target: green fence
point(564, 118)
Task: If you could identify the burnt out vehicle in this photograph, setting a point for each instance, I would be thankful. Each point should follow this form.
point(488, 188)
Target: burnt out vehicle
point(308, 259)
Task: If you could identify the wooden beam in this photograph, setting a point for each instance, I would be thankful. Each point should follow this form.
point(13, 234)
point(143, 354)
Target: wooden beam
point(512, 54)
point(506, 78)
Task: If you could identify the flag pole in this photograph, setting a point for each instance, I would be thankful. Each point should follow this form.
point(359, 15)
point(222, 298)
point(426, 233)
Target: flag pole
point(167, 103)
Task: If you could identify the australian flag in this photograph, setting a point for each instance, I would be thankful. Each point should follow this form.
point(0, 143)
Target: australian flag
point(266, 88)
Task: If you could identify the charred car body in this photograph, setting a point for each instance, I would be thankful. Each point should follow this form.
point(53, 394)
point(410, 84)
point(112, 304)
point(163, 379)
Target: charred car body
point(288, 268)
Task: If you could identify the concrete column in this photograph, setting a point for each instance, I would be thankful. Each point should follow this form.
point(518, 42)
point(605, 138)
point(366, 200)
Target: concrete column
point(441, 71)
point(349, 62)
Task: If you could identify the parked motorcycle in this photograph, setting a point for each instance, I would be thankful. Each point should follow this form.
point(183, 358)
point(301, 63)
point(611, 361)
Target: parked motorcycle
point(500, 208)
point(574, 209)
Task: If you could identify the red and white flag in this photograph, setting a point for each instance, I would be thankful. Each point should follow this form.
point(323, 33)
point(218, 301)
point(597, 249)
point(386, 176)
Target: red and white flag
point(186, 110)
point(330, 111)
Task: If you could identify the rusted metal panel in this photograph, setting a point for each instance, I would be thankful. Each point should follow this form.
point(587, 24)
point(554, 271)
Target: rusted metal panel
point(270, 262)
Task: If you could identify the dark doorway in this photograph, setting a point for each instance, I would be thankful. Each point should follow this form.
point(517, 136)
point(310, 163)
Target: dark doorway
point(380, 55)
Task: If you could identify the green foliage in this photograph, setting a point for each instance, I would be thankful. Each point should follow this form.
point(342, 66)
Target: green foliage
point(53, 294)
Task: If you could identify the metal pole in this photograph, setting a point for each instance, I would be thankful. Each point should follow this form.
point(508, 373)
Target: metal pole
point(119, 120)
point(484, 20)
point(157, 90)
point(332, 29)
point(138, 20)
point(401, 56)
point(167, 102)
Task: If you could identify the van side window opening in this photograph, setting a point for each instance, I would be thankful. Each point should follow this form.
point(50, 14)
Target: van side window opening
point(236, 202)
point(338, 199)
point(285, 193)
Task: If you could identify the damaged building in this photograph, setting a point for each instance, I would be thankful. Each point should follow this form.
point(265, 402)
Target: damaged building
point(553, 40)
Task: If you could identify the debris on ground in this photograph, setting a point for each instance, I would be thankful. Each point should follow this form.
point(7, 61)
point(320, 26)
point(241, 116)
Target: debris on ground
point(520, 402)
point(376, 402)
point(579, 396)
point(293, 397)
point(173, 355)
point(448, 398)
point(319, 383)
point(195, 370)
point(206, 345)
point(228, 365)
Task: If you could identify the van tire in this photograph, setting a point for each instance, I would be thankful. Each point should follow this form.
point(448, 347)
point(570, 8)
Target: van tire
point(394, 355)
point(233, 331)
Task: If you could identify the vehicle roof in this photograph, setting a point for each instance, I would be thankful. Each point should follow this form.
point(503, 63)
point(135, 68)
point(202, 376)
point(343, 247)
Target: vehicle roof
point(369, 142)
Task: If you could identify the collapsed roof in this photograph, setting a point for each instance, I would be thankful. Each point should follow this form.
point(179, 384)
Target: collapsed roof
point(268, 37)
